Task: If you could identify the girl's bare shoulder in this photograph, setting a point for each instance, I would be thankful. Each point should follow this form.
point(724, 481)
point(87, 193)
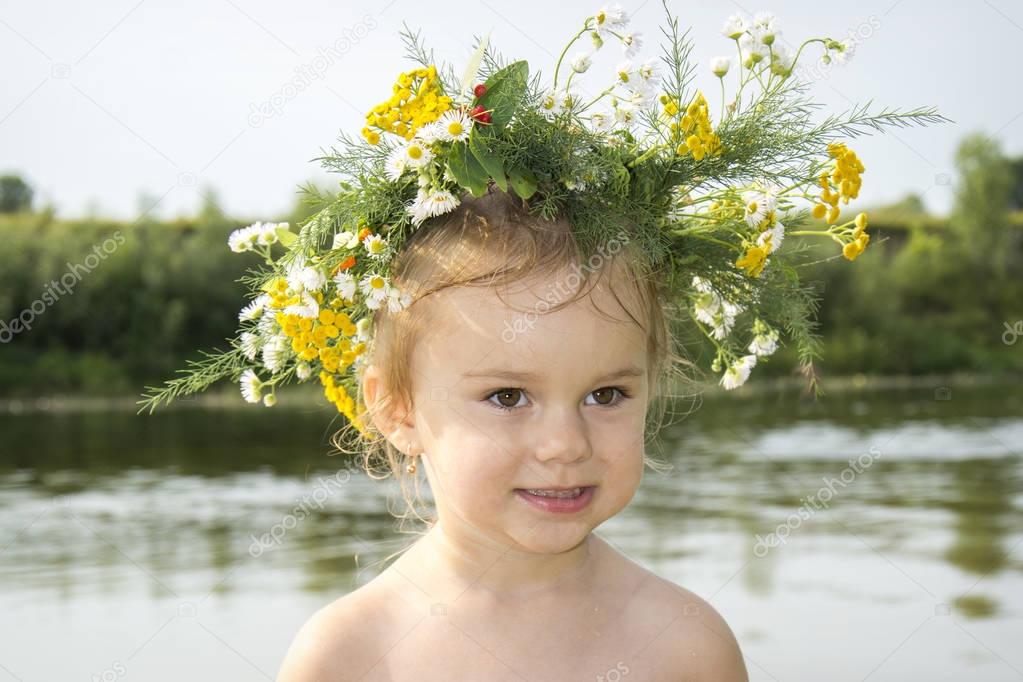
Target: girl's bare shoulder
point(340, 641)
point(681, 627)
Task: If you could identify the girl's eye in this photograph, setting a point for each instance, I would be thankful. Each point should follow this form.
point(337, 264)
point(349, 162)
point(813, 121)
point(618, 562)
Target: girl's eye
point(606, 395)
point(508, 398)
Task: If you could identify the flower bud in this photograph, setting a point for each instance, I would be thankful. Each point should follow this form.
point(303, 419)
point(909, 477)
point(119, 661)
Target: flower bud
point(719, 65)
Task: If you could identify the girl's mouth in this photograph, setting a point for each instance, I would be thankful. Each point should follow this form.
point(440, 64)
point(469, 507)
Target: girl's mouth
point(557, 501)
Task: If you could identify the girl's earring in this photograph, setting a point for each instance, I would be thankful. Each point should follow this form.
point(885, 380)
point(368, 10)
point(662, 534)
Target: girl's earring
point(411, 468)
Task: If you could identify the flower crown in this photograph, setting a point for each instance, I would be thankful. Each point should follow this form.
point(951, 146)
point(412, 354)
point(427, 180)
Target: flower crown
point(710, 202)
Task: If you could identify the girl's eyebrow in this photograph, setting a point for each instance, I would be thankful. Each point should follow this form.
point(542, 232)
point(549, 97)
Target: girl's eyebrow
point(630, 371)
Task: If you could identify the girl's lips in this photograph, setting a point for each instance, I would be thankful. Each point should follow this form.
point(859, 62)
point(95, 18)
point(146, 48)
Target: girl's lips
point(558, 505)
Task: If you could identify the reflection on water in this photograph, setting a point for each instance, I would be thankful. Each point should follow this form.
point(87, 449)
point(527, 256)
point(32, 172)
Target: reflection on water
point(871, 533)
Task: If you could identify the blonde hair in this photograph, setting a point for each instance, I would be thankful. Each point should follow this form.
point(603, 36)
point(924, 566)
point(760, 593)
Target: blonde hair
point(489, 241)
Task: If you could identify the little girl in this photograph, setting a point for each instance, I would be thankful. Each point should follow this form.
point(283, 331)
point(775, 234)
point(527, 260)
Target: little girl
point(521, 384)
point(490, 300)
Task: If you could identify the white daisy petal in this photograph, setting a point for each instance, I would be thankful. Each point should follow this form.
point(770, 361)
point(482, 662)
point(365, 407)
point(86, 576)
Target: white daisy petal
point(251, 386)
point(737, 374)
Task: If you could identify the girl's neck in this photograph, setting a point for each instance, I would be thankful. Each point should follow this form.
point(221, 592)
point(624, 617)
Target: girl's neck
point(457, 564)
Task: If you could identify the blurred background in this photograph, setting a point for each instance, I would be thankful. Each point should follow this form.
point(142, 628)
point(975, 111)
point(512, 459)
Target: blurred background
point(870, 534)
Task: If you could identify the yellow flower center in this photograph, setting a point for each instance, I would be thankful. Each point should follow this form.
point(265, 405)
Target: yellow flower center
point(415, 152)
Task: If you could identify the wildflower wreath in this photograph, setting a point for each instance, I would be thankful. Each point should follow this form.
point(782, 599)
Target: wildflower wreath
point(710, 201)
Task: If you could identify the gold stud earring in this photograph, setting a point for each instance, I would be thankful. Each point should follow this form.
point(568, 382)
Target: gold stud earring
point(411, 468)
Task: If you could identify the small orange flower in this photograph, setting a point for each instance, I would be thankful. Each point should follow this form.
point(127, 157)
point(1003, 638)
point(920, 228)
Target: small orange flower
point(344, 265)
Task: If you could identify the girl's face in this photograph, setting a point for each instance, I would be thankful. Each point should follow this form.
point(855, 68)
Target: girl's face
point(513, 397)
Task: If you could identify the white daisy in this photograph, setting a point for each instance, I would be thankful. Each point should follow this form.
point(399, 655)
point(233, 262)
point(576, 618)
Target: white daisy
point(375, 289)
point(397, 300)
point(752, 51)
point(254, 309)
point(734, 27)
point(345, 240)
point(782, 60)
point(729, 311)
point(707, 306)
point(765, 344)
point(307, 308)
point(375, 245)
point(610, 17)
point(845, 53)
point(345, 282)
point(719, 65)
point(429, 133)
point(269, 234)
point(601, 122)
point(757, 207)
point(627, 73)
point(428, 204)
point(701, 285)
point(568, 101)
point(245, 238)
point(250, 345)
point(417, 153)
point(275, 353)
point(582, 62)
point(772, 236)
point(395, 164)
point(303, 371)
point(765, 27)
point(640, 98)
point(631, 42)
point(454, 126)
point(738, 373)
point(251, 386)
point(551, 104)
point(625, 112)
point(714, 310)
point(302, 276)
point(270, 399)
point(313, 279)
point(267, 325)
point(650, 72)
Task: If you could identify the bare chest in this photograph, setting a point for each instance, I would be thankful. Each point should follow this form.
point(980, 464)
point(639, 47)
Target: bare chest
point(585, 641)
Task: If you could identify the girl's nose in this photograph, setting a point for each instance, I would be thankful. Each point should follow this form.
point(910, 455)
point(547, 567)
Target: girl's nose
point(563, 435)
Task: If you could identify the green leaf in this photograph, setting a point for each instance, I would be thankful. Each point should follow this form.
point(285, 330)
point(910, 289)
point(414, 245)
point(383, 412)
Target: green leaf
point(480, 144)
point(505, 90)
point(285, 236)
point(473, 67)
point(466, 170)
point(522, 181)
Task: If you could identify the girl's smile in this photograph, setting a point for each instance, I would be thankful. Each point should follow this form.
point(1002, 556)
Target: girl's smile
point(567, 501)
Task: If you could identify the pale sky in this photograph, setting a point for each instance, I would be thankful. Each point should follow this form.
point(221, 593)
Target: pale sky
point(104, 101)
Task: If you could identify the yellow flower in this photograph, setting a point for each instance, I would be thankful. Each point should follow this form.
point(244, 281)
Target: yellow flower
point(694, 128)
point(856, 247)
point(842, 182)
point(417, 100)
point(753, 261)
point(851, 250)
point(346, 405)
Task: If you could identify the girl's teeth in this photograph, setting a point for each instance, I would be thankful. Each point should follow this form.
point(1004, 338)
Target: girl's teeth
point(575, 492)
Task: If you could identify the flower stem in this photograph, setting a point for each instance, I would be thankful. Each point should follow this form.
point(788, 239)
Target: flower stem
point(557, 67)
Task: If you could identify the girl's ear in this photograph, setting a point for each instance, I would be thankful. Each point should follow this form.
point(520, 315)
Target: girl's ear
point(394, 421)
